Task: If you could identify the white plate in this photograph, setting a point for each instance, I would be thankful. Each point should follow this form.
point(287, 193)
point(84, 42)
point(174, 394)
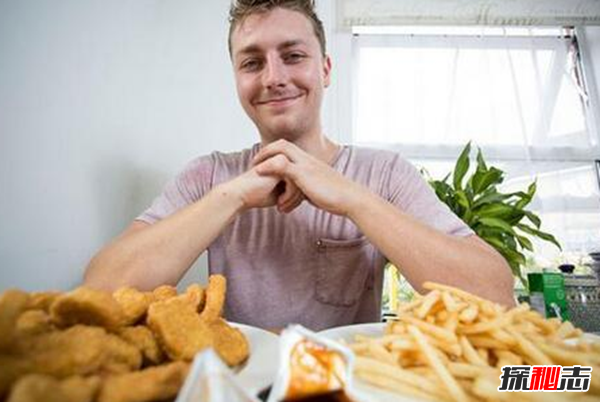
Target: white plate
point(260, 369)
point(366, 391)
point(348, 334)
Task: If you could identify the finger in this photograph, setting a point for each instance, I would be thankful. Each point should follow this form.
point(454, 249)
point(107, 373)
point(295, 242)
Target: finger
point(291, 151)
point(292, 204)
point(278, 165)
point(289, 198)
point(290, 191)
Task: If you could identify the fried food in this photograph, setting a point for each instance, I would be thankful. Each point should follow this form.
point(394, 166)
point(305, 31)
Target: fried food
point(183, 332)
point(134, 303)
point(151, 384)
point(178, 328)
point(42, 300)
point(450, 345)
point(87, 306)
point(195, 295)
point(230, 343)
point(164, 292)
point(39, 387)
point(89, 345)
point(79, 350)
point(142, 338)
point(11, 368)
point(33, 322)
point(12, 304)
point(215, 298)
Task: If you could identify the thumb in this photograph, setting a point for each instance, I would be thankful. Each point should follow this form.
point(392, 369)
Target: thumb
point(277, 165)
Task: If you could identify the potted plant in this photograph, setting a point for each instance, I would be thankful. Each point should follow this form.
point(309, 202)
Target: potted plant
point(501, 219)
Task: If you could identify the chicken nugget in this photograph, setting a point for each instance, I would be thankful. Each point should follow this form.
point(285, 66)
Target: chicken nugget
point(42, 300)
point(142, 338)
point(178, 328)
point(194, 294)
point(133, 302)
point(164, 292)
point(230, 343)
point(87, 306)
point(215, 298)
point(40, 387)
point(33, 322)
point(12, 303)
point(151, 384)
point(11, 368)
point(79, 350)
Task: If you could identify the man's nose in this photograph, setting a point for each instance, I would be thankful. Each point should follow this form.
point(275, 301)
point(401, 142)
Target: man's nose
point(274, 74)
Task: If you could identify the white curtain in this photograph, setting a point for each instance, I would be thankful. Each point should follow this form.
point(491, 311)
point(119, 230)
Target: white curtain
point(521, 98)
point(352, 13)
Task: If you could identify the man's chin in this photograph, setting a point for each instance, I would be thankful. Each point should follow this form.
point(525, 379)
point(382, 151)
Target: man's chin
point(289, 132)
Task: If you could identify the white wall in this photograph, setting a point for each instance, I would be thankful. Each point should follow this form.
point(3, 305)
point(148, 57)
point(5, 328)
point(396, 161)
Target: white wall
point(100, 103)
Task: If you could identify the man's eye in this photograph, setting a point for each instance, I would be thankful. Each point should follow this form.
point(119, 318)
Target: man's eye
point(294, 57)
point(250, 65)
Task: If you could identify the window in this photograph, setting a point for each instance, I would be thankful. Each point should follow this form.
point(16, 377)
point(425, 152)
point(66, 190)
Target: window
point(518, 93)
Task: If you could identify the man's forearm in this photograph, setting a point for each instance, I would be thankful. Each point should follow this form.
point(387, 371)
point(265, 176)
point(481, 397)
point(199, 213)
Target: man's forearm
point(163, 252)
point(425, 254)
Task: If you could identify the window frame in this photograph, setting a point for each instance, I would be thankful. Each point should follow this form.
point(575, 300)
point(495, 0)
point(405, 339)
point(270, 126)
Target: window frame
point(348, 74)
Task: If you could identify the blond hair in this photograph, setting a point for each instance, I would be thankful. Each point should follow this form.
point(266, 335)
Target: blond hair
point(241, 9)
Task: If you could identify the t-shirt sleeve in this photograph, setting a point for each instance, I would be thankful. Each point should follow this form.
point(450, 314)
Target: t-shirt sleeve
point(409, 191)
point(184, 189)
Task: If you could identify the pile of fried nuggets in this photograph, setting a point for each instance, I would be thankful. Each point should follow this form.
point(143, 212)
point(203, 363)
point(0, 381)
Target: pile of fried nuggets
point(130, 346)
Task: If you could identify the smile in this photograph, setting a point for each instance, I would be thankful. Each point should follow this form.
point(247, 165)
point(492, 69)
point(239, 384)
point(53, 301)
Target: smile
point(280, 101)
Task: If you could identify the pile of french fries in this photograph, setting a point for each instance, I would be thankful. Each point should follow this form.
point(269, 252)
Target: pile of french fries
point(450, 345)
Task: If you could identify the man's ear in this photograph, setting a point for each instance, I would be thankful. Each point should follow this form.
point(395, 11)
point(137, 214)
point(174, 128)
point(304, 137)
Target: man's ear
point(327, 70)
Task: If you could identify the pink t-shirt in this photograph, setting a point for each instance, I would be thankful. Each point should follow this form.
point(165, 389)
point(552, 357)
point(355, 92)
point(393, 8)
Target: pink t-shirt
point(309, 266)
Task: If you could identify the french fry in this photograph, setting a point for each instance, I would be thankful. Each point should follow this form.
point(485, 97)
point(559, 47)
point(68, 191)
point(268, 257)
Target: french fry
point(428, 302)
point(399, 375)
point(393, 384)
point(471, 355)
point(450, 345)
point(469, 314)
point(449, 302)
point(455, 390)
point(431, 329)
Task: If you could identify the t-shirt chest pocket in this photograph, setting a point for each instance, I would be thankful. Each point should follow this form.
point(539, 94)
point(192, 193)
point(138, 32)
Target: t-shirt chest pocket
point(343, 268)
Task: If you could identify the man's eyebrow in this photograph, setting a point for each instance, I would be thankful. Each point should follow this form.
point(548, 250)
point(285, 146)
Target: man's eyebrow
point(251, 49)
point(290, 43)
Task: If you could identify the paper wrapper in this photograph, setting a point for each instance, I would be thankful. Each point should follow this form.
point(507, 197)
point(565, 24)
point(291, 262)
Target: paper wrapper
point(312, 365)
point(210, 380)
point(309, 365)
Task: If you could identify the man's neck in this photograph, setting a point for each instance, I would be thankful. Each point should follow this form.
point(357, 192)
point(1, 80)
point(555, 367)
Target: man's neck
point(317, 145)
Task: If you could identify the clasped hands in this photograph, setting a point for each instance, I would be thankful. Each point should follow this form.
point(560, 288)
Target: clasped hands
point(284, 175)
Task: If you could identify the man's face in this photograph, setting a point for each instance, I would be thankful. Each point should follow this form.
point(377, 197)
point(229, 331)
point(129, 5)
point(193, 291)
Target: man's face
point(280, 73)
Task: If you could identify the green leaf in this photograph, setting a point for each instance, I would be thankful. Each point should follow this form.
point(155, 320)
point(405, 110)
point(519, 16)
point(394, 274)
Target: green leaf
point(525, 243)
point(494, 242)
point(462, 200)
point(497, 223)
point(462, 166)
point(483, 180)
point(515, 256)
point(481, 166)
point(538, 233)
point(528, 197)
point(495, 210)
point(490, 197)
point(533, 218)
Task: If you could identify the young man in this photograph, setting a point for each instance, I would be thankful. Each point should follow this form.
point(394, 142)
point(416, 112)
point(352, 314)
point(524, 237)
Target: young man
point(300, 226)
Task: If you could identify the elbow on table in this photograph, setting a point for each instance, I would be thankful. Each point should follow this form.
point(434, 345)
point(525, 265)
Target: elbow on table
point(104, 274)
